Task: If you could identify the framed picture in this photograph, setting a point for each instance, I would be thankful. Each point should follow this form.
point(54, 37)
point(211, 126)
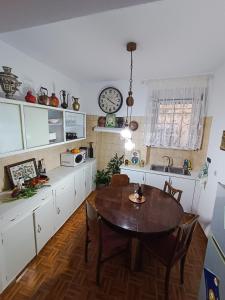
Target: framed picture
point(26, 169)
point(222, 146)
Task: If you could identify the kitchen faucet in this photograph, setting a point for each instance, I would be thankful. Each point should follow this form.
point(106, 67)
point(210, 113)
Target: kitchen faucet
point(170, 162)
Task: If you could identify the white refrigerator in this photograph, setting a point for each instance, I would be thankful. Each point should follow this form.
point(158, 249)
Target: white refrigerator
point(213, 275)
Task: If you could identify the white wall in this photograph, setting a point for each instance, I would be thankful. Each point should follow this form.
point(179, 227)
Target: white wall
point(216, 109)
point(34, 74)
point(90, 91)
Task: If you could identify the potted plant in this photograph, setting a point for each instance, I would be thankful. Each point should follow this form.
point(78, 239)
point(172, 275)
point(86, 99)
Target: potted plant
point(114, 164)
point(102, 178)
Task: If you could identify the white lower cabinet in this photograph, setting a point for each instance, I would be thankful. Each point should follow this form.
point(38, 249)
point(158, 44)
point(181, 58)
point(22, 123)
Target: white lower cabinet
point(64, 200)
point(44, 222)
point(79, 181)
point(23, 235)
point(93, 172)
point(135, 176)
point(18, 246)
point(186, 184)
point(156, 180)
point(188, 188)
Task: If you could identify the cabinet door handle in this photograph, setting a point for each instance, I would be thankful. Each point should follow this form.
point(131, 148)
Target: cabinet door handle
point(43, 199)
point(39, 228)
point(12, 219)
point(58, 210)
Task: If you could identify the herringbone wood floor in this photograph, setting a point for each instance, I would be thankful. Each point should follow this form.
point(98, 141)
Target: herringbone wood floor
point(59, 272)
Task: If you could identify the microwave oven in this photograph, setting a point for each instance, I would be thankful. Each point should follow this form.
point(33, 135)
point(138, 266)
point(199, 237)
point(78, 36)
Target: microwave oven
point(71, 160)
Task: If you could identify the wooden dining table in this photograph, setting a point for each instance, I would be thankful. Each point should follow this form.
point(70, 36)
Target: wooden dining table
point(158, 215)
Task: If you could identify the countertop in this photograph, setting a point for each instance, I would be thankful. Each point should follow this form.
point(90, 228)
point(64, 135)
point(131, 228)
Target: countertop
point(146, 169)
point(17, 207)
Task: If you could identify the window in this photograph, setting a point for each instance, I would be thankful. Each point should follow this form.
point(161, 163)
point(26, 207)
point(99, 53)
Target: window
point(176, 122)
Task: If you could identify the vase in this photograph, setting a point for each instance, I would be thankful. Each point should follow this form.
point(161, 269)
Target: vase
point(76, 104)
point(9, 82)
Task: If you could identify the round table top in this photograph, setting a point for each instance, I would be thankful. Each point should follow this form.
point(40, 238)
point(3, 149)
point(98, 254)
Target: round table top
point(159, 213)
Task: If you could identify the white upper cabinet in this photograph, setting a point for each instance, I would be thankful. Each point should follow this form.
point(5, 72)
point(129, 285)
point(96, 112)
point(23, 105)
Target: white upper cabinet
point(75, 124)
point(25, 126)
point(10, 128)
point(36, 126)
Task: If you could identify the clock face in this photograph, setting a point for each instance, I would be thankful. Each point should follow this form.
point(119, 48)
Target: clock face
point(110, 100)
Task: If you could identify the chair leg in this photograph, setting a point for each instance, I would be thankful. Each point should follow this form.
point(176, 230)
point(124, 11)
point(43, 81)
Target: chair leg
point(182, 263)
point(167, 281)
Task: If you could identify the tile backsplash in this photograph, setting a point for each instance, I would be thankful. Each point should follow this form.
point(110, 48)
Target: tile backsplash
point(50, 155)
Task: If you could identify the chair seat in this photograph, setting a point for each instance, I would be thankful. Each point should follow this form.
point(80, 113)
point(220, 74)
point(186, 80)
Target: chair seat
point(113, 241)
point(163, 248)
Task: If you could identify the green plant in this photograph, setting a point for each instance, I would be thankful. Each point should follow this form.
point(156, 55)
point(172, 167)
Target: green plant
point(114, 164)
point(102, 177)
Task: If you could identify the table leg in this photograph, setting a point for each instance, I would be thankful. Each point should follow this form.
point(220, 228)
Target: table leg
point(136, 255)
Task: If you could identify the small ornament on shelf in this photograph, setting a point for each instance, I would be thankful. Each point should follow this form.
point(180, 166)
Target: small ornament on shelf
point(30, 97)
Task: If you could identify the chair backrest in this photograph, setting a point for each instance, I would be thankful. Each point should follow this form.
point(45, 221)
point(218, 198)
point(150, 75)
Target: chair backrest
point(119, 180)
point(172, 191)
point(91, 218)
point(184, 237)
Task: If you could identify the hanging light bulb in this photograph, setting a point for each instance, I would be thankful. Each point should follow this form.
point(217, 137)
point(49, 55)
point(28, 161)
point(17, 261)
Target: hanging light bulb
point(129, 145)
point(126, 133)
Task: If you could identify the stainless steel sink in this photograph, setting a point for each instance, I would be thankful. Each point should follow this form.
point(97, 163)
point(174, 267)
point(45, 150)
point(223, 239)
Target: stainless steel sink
point(174, 170)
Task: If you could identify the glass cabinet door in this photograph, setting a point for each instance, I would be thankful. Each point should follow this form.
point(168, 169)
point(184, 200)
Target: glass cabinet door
point(11, 138)
point(75, 127)
point(55, 124)
point(36, 126)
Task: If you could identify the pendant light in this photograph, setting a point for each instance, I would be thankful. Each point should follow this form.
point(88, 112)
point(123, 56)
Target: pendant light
point(126, 132)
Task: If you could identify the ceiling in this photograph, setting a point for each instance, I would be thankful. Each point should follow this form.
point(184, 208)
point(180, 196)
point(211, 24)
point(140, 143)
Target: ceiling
point(29, 13)
point(174, 38)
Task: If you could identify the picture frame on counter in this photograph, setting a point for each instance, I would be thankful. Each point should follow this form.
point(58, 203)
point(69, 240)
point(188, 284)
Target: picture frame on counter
point(26, 169)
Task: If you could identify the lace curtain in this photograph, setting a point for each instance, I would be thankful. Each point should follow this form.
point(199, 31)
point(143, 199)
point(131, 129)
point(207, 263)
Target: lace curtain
point(175, 118)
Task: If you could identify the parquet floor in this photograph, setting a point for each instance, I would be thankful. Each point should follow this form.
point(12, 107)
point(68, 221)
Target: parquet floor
point(59, 272)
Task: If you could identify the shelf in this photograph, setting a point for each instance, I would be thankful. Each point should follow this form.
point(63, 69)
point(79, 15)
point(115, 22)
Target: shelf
point(107, 129)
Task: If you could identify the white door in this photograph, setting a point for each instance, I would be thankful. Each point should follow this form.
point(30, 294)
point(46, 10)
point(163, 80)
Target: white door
point(10, 128)
point(79, 179)
point(156, 180)
point(64, 200)
point(36, 126)
point(44, 223)
point(135, 176)
point(18, 245)
point(188, 187)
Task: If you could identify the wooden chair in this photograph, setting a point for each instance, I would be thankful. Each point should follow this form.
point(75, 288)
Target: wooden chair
point(172, 248)
point(109, 242)
point(172, 191)
point(120, 180)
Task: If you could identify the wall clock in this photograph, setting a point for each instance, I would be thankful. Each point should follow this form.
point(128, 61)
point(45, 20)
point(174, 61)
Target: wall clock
point(110, 100)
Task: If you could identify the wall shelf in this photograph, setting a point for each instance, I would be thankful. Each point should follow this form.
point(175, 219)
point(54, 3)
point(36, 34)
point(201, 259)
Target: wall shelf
point(107, 129)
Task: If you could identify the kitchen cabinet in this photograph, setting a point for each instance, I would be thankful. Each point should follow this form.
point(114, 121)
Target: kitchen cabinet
point(135, 176)
point(36, 126)
point(156, 180)
point(18, 246)
point(93, 172)
point(64, 200)
point(27, 126)
point(44, 222)
point(75, 123)
point(88, 179)
point(186, 184)
point(79, 181)
point(188, 188)
point(11, 138)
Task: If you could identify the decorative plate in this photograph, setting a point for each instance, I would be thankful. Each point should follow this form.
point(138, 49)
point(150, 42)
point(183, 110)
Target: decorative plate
point(135, 199)
point(133, 125)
